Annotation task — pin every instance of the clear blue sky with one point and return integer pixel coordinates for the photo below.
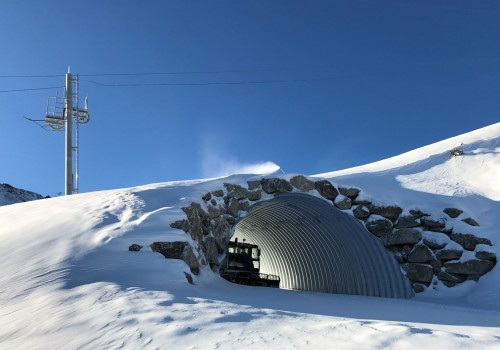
(379, 78)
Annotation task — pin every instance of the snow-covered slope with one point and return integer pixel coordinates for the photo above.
(12, 195)
(68, 280)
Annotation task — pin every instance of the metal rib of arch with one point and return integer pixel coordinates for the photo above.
(314, 246)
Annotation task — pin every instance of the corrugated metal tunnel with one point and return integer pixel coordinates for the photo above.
(314, 246)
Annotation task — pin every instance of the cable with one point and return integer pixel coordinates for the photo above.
(225, 83)
(32, 89)
(180, 73)
(33, 76)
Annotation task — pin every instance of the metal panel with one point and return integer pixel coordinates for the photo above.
(314, 246)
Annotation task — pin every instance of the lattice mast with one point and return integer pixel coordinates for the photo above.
(61, 113)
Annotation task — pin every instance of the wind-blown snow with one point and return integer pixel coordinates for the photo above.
(68, 280)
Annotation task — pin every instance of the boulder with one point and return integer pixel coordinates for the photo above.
(326, 189)
(181, 225)
(254, 195)
(402, 236)
(436, 265)
(453, 212)
(235, 191)
(218, 193)
(233, 207)
(379, 227)
(486, 255)
(189, 277)
(302, 183)
(431, 224)
(469, 267)
(468, 241)
(390, 212)
(420, 254)
(135, 247)
(178, 250)
(221, 228)
(209, 248)
(445, 276)
(207, 197)
(244, 205)
(407, 221)
(343, 203)
(434, 244)
(350, 192)
(213, 212)
(361, 212)
(419, 287)
(449, 254)
(253, 184)
(418, 213)
(276, 185)
(418, 272)
(470, 221)
(199, 221)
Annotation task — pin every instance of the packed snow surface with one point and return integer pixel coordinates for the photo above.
(68, 280)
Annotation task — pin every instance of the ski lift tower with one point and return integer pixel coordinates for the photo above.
(61, 113)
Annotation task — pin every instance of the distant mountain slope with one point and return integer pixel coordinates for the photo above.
(11, 195)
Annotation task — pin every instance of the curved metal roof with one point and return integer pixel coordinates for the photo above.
(314, 246)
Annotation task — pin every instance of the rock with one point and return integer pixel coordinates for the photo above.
(453, 212)
(436, 265)
(431, 224)
(344, 203)
(486, 255)
(361, 212)
(178, 250)
(469, 267)
(359, 201)
(209, 248)
(405, 251)
(445, 276)
(433, 244)
(276, 185)
(418, 272)
(189, 277)
(302, 183)
(254, 195)
(207, 197)
(350, 192)
(407, 221)
(468, 241)
(402, 236)
(135, 247)
(218, 193)
(233, 207)
(326, 189)
(471, 221)
(418, 213)
(221, 228)
(420, 254)
(181, 225)
(391, 212)
(244, 205)
(449, 254)
(399, 257)
(379, 227)
(254, 184)
(235, 191)
(213, 202)
(213, 212)
(199, 221)
(418, 287)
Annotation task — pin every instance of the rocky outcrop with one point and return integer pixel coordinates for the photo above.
(178, 250)
(426, 247)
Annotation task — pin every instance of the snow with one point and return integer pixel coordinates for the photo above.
(68, 280)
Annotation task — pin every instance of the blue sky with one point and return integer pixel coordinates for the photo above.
(341, 83)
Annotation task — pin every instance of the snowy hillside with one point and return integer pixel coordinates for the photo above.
(68, 280)
(12, 195)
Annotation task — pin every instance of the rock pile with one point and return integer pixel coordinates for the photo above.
(426, 247)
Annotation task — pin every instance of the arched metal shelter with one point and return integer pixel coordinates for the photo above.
(314, 246)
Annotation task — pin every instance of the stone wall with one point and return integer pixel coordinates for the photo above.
(426, 247)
